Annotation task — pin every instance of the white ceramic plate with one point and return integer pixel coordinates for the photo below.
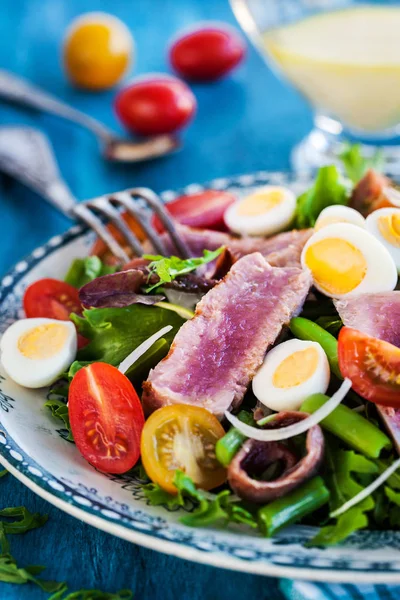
(32, 448)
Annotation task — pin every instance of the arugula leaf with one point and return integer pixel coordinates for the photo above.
(10, 572)
(356, 165)
(3, 473)
(91, 595)
(222, 508)
(349, 522)
(115, 332)
(170, 268)
(59, 410)
(341, 468)
(83, 270)
(332, 324)
(328, 188)
(24, 520)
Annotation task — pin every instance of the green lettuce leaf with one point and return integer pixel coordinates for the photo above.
(115, 332)
(3, 473)
(356, 165)
(211, 509)
(83, 270)
(328, 188)
(342, 467)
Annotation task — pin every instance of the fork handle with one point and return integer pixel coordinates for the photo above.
(16, 90)
(26, 155)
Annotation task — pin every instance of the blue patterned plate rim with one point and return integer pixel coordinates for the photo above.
(216, 548)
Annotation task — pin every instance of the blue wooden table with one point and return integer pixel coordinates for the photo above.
(246, 123)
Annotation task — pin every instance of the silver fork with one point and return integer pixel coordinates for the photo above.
(27, 156)
(19, 91)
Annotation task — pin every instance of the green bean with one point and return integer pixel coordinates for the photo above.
(304, 329)
(231, 442)
(294, 506)
(349, 426)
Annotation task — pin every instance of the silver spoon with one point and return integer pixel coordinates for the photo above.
(16, 90)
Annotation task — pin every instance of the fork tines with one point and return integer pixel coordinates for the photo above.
(107, 207)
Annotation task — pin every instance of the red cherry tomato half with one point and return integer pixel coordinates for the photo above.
(51, 299)
(372, 365)
(155, 106)
(106, 418)
(207, 53)
(204, 210)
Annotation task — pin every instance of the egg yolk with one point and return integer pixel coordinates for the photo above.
(43, 341)
(296, 368)
(260, 203)
(389, 227)
(97, 54)
(337, 266)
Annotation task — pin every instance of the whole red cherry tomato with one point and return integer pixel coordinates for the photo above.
(53, 299)
(207, 53)
(203, 210)
(155, 105)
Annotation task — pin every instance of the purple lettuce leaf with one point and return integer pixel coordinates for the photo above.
(117, 291)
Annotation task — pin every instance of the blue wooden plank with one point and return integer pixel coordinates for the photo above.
(245, 123)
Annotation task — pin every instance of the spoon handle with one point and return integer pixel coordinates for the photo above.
(16, 90)
(26, 155)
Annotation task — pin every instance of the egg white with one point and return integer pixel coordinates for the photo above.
(290, 398)
(35, 373)
(372, 227)
(272, 221)
(339, 214)
(381, 275)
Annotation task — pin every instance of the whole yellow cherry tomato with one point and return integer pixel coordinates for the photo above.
(97, 51)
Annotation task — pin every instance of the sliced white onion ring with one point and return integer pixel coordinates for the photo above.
(367, 491)
(142, 349)
(284, 433)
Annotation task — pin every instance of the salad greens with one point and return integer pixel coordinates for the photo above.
(356, 164)
(342, 467)
(19, 520)
(328, 188)
(211, 509)
(172, 267)
(23, 521)
(83, 270)
(59, 410)
(115, 332)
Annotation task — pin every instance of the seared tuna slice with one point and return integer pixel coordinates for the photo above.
(377, 315)
(281, 250)
(215, 355)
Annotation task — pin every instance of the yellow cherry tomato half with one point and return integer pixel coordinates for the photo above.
(181, 436)
(98, 49)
